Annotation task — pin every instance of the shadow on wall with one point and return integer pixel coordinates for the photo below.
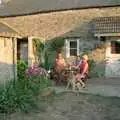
(88, 44)
(6, 72)
(83, 31)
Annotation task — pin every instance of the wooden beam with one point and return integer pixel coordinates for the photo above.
(106, 34)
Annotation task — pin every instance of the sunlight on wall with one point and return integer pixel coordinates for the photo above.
(6, 58)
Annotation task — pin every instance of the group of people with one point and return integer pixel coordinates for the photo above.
(80, 64)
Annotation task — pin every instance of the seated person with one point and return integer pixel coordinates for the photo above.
(59, 62)
(83, 69)
(58, 75)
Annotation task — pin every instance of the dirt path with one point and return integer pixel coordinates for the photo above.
(73, 106)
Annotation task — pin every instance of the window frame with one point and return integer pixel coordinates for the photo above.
(67, 45)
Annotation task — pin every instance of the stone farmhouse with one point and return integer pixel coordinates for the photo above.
(83, 24)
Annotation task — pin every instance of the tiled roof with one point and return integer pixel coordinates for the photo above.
(23, 7)
(104, 25)
(7, 31)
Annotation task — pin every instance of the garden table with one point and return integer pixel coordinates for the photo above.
(70, 72)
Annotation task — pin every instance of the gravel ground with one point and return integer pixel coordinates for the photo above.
(73, 106)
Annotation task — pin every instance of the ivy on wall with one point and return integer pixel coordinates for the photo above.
(45, 52)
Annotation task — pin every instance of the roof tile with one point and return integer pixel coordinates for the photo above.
(107, 25)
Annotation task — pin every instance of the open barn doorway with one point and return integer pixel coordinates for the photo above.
(22, 49)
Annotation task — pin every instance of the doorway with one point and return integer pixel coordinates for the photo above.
(113, 58)
(22, 49)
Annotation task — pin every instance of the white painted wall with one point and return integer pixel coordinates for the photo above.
(6, 58)
(112, 60)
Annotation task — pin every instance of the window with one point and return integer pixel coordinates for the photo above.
(115, 47)
(102, 38)
(72, 47)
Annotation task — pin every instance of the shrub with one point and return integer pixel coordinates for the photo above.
(92, 71)
(37, 83)
(45, 52)
(15, 96)
(21, 67)
(92, 64)
(22, 94)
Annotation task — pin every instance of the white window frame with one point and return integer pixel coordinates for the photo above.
(67, 46)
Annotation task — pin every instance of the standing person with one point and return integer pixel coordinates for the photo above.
(83, 70)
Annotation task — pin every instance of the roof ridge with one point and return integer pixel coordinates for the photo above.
(34, 8)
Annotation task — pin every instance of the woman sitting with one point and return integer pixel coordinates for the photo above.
(59, 62)
(57, 73)
(83, 70)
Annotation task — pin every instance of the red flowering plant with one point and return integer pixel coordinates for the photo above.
(37, 77)
(36, 70)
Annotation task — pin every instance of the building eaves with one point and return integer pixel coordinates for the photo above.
(8, 31)
(27, 7)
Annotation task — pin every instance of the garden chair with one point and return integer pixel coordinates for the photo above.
(75, 84)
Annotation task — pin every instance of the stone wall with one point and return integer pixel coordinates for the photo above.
(6, 59)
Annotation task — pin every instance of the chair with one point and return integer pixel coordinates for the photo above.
(76, 83)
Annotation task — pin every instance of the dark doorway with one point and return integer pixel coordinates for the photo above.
(22, 49)
(115, 47)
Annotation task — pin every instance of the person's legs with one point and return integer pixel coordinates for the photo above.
(78, 78)
(55, 75)
(84, 78)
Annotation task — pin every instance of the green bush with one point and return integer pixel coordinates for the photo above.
(36, 84)
(57, 45)
(22, 94)
(21, 67)
(92, 64)
(45, 52)
(41, 53)
(92, 71)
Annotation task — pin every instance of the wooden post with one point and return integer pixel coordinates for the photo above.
(31, 57)
(14, 47)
